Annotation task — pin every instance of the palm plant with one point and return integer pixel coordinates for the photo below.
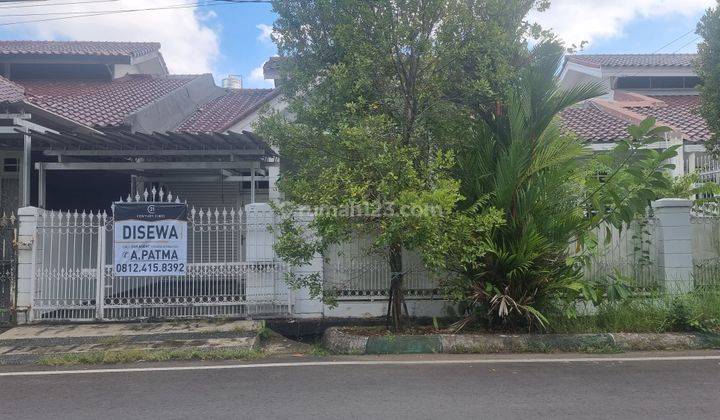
(527, 167)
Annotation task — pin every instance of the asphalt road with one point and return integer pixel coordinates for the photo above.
(666, 389)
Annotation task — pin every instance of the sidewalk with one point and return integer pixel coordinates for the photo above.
(48, 343)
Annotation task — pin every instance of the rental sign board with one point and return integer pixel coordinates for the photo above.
(150, 239)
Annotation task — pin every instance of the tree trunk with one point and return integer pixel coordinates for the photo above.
(396, 301)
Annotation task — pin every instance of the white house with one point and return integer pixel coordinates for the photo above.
(640, 86)
(73, 89)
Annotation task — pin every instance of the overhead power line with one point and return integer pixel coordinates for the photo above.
(114, 12)
(674, 40)
(46, 4)
(110, 11)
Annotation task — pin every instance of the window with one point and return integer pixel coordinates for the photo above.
(667, 82)
(657, 82)
(692, 82)
(633, 83)
(10, 165)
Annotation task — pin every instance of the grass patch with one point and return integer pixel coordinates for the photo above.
(112, 341)
(540, 347)
(132, 356)
(319, 350)
(698, 311)
(264, 332)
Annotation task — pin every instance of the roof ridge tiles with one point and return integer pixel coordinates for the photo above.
(87, 48)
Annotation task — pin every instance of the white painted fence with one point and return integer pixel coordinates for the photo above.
(631, 252)
(65, 272)
(232, 270)
(355, 272)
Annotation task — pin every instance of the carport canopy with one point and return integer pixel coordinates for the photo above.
(227, 153)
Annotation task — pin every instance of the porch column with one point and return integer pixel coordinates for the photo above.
(690, 164)
(252, 186)
(42, 189)
(26, 169)
(675, 256)
(674, 138)
(273, 176)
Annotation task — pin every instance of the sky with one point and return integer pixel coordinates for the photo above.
(213, 36)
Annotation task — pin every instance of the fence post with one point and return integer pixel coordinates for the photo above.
(305, 306)
(259, 248)
(26, 243)
(262, 283)
(675, 244)
(100, 274)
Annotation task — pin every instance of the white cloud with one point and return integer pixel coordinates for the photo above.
(265, 33)
(188, 44)
(257, 79)
(590, 20)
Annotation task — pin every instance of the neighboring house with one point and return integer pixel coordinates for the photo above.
(79, 111)
(640, 86)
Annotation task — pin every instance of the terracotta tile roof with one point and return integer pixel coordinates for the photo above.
(681, 112)
(91, 48)
(100, 103)
(592, 124)
(634, 60)
(221, 113)
(10, 91)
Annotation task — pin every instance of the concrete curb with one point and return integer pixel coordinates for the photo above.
(340, 341)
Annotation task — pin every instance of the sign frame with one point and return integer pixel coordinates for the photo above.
(150, 239)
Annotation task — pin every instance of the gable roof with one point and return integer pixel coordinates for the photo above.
(10, 92)
(221, 113)
(633, 60)
(103, 103)
(78, 48)
(680, 112)
(593, 122)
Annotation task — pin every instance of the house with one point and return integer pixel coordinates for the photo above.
(84, 123)
(640, 86)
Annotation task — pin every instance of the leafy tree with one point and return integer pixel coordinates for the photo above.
(551, 191)
(708, 68)
(374, 87)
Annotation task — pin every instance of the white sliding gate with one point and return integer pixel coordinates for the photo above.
(232, 270)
